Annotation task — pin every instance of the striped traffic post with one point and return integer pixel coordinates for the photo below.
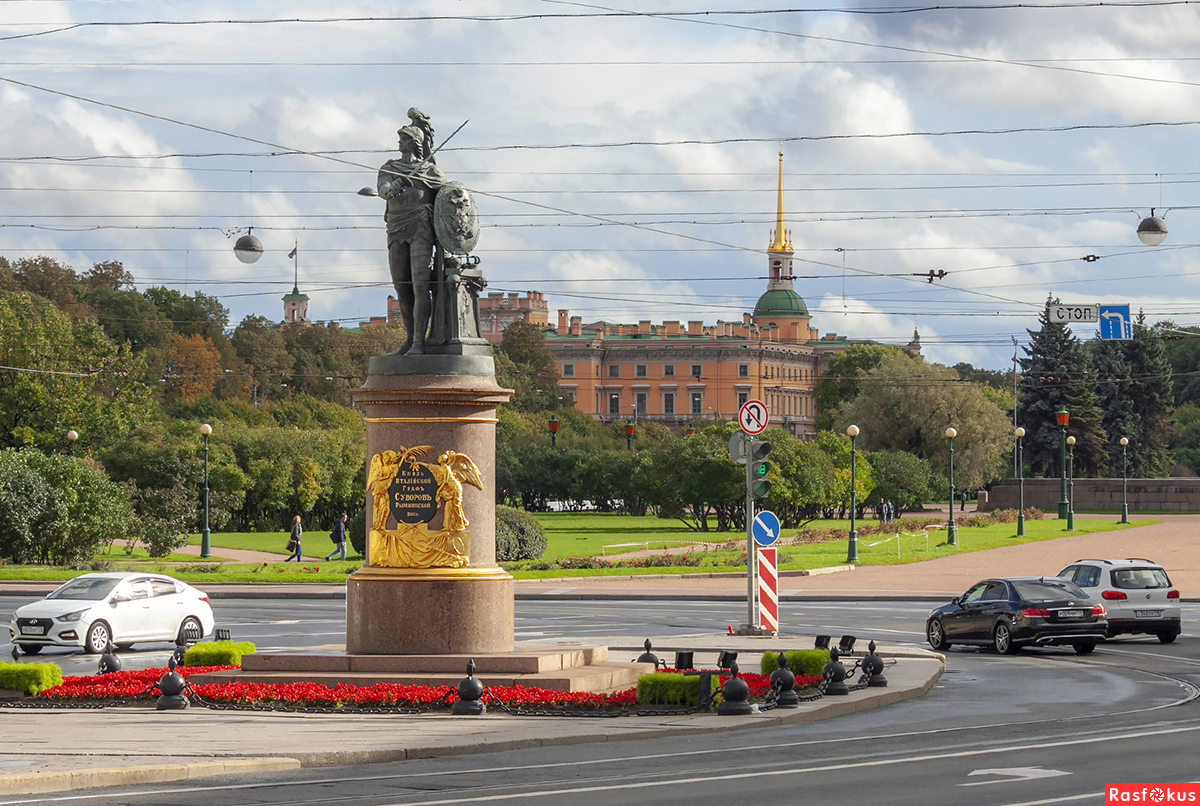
(768, 590)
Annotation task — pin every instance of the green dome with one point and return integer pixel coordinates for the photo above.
(780, 302)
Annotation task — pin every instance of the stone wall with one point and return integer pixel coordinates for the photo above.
(1144, 494)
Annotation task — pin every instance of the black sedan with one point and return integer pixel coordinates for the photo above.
(1019, 611)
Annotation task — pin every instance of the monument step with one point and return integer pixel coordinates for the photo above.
(529, 660)
(593, 678)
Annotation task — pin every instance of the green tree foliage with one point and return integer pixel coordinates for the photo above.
(1186, 445)
(1182, 348)
(837, 496)
(264, 351)
(802, 478)
(906, 405)
(693, 478)
(57, 510)
(900, 478)
(840, 382)
(1057, 371)
(65, 376)
(1135, 395)
(524, 364)
(195, 315)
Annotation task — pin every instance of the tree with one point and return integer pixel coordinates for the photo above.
(532, 372)
(906, 405)
(694, 478)
(1057, 371)
(900, 478)
(840, 382)
(197, 315)
(128, 317)
(194, 368)
(1182, 347)
(263, 349)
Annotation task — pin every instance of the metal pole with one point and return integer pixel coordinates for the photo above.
(205, 544)
(751, 568)
(852, 550)
(1124, 483)
(1020, 490)
(1063, 506)
(951, 533)
(1071, 489)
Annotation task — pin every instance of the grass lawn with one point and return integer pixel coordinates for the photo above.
(273, 542)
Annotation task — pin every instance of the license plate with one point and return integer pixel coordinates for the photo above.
(1149, 613)
(1070, 614)
(33, 631)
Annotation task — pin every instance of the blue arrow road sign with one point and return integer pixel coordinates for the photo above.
(1115, 322)
(765, 528)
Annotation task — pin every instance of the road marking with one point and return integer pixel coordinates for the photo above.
(1065, 799)
(760, 774)
(1013, 774)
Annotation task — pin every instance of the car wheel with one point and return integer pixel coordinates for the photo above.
(189, 623)
(935, 633)
(1002, 639)
(30, 649)
(98, 638)
(1166, 637)
(1084, 647)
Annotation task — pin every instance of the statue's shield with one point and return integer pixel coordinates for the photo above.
(455, 219)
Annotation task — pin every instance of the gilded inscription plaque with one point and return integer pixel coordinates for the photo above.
(411, 493)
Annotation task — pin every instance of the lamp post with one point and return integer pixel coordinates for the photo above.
(205, 545)
(1124, 483)
(1061, 418)
(72, 435)
(1071, 484)
(629, 427)
(951, 533)
(553, 424)
(1019, 433)
(852, 550)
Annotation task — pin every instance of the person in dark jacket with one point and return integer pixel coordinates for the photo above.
(294, 540)
(338, 536)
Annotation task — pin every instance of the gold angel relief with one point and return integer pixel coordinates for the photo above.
(415, 545)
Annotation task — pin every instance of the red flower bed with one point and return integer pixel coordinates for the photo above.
(135, 683)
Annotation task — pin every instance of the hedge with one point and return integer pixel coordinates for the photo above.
(804, 661)
(217, 653)
(518, 535)
(30, 677)
(667, 688)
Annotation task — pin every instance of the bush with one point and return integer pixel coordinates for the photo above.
(217, 653)
(356, 532)
(30, 677)
(670, 688)
(1033, 514)
(1005, 515)
(805, 661)
(518, 535)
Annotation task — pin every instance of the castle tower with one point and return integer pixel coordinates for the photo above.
(781, 305)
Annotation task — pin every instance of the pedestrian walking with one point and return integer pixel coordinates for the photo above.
(294, 541)
(338, 536)
(963, 508)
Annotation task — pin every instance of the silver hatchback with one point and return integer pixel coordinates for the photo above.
(1137, 594)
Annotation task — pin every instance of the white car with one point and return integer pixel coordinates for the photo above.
(127, 608)
(1137, 594)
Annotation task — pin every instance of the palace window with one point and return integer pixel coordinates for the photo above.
(614, 370)
(640, 371)
(697, 370)
(743, 370)
(742, 398)
(640, 402)
(568, 371)
(614, 404)
(697, 402)
(668, 402)
(668, 370)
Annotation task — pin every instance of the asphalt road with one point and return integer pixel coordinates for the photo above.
(1041, 727)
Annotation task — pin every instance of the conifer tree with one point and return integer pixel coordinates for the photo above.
(1057, 371)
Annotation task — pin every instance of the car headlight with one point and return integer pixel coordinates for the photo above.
(76, 616)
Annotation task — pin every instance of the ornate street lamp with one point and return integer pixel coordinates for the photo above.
(1061, 418)
(951, 534)
(72, 435)
(1019, 433)
(852, 550)
(553, 424)
(629, 428)
(1071, 484)
(205, 545)
(1124, 483)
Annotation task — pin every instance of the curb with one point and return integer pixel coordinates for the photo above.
(38, 782)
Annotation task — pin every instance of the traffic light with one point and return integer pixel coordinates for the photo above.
(756, 477)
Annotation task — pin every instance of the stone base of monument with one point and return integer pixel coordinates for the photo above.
(585, 669)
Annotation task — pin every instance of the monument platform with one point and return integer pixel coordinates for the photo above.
(571, 669)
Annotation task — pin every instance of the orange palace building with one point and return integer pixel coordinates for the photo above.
(680, 373)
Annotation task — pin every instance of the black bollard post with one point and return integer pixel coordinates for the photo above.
(872, 667)
(835, 675)
(109, 662)
(470, 691)
(172, 686)
(648, 656)
(783, 680)
(735, 695)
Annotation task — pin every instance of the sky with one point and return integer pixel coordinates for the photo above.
(624, 158)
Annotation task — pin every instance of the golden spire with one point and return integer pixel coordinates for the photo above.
(782, 241)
